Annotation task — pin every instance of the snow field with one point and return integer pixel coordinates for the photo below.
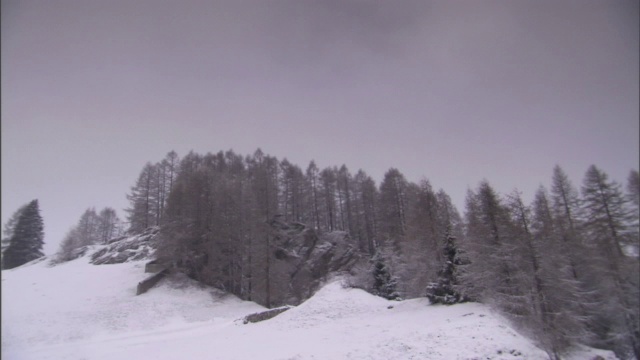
(81, 311)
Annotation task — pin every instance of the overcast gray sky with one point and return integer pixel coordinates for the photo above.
(455, 91)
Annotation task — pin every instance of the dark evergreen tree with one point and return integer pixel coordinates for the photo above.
(9, 228)
(28, 237)
(443, 291)
(384, 284)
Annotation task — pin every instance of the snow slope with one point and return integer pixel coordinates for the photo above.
(81, 311)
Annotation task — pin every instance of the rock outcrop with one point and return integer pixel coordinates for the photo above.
(308, 259)
(265, 315)
(124, 249)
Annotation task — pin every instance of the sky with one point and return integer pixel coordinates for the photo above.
(452, 91)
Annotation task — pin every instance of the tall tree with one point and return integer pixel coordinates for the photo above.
(633, 188)
(393, 207)
(9, 228)
(421, 251)
(328, 195)
(493, 274)
(28, 238)
(366, 195)
(141, 212)
(108, 225)
(606, 220)
(559, 317)
(311, 177)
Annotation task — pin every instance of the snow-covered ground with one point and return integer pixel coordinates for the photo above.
(81, 311)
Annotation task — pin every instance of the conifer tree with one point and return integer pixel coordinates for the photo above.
(444, 290)
(9, 228)
(27, 239)
(606, 221)
(384, 283)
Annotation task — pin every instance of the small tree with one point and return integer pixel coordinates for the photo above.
(26, 241)
(384, 283)
(443, 291)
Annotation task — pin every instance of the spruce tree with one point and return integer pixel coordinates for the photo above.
(26, 242)
(384, 283)
(443, 291)
(9, 228)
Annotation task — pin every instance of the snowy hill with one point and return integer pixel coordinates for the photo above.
(77, 310)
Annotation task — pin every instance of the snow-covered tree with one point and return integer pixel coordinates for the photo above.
(444, 290)
(606, 220)
(384, 283)
(92, 229)
(27, 239)
(9, 228)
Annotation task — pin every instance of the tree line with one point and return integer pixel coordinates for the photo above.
(564, 267)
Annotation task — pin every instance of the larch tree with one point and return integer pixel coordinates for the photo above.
(392, 212)
(493, 273)
(140, 213)
(557, 321)
(109, 225)
(344, 187)
(565, 204)
(633, 187)
(366, 198)
(27, 239)
(328, 199)
(311, 177)
(606, 218)
(92, 229)
(421, 251)
(633, 194)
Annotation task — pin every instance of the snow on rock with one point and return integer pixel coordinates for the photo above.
(137, 247)
(79, 311)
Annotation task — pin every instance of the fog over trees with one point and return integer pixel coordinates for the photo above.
(564, 267)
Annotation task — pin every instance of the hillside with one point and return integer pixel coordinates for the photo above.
(77, 310)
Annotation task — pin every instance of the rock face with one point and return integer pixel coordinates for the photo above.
(305, 259)
(120, 250)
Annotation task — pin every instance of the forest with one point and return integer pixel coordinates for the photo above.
(563, 268)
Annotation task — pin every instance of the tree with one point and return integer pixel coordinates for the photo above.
(633, 194)
(384, 284)
(327, 194)
(633, 188)
(9, 228)
(559, 298)
(494, 274)
(28, 238)
(311, 178)
(141, 214)
(366, 197)
(345, 193)
(444, 290)
(108, 225)
(393, 208)
(92, 229)
(606, 221)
